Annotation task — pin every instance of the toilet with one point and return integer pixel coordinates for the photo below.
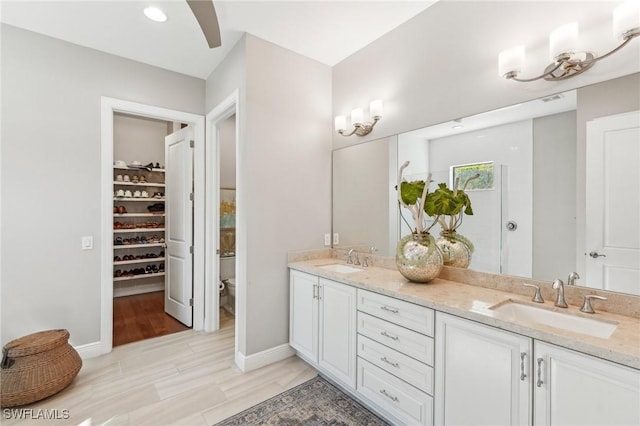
(227, 278)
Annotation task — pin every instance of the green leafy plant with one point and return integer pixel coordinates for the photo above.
(448, 207)
(412, 196)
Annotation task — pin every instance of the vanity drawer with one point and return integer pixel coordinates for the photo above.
(401, 400)
(408, 342)
(406, 368)
(403, 313)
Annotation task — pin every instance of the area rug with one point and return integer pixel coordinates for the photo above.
(313, 403)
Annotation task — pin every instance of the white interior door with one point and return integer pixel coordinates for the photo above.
(613, 203)
(178, 295)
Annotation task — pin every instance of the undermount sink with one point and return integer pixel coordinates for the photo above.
(513, 310)
(340, 268)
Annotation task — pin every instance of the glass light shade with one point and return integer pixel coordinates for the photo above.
(357, 116)
(511, 60)
(155, 14)
(375, 108)
(626, 17)
(340, 123)
(563, 40)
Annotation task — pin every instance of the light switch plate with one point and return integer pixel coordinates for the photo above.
(327, 239)
(336, 239)
(87, 242)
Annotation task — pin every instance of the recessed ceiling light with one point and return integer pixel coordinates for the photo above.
(155, 14)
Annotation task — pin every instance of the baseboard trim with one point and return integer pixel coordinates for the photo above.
(266, 357)
(137, 289)
(89, 350)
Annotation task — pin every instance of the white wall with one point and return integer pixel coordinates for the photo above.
(508, 145)
(442, 64)
(51, 174)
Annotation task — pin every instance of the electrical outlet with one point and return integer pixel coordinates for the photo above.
(327, 239)
(336, 239)
(87, 242)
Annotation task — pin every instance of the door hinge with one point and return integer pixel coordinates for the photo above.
(190, 302)
(217, 251)
(191, 196)
(192, 144)
(191, 249)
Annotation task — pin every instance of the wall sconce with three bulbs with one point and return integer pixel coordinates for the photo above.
(567, 60)
(360, 127)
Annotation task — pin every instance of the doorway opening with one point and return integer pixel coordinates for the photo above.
(140, 217)
(151, 250)
(225, 268)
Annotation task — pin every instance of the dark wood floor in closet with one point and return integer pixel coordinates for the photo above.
(142, 317)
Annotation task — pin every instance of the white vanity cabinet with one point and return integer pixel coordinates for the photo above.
(502, 378)
(395, 358)
(483, 374)
(322, 325)
(572, 388)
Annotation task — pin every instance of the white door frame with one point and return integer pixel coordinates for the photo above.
(222, 111)
(109, 106)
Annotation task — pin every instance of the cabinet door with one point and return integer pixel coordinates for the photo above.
(338, 331)
(482, 374)
(303, 311)
(578, 389)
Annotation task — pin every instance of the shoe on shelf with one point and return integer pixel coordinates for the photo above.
(145, 194)
(120, 193)
(135, 179)
(122, 209)
(143, 179)
(119, 178)
(125, 178)
(157, 166)
(127, 194)
(137, 194)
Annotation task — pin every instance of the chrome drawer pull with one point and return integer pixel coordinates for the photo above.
(539, 382)
(391, 363)
(385, 334)
(523, 375)
(391, 397)
(388, 309)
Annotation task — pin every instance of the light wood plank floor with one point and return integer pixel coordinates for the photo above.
(186, 378)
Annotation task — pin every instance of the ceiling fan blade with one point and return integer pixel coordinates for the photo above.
(205, 14)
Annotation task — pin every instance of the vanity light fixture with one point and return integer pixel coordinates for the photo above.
(567, 59)
(360, 127)
(155, 14)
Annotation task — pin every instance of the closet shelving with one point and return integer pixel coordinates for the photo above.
(143, 223)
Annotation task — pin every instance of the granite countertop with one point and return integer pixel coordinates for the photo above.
(473, 302)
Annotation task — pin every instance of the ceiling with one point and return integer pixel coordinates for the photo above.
(327, 31)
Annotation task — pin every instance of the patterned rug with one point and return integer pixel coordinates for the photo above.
(313, 403)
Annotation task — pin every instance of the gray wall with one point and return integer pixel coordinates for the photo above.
(613, 97)
(51, 174)
(284, 183)
(554, 195)
(288, 178)
(442, 64)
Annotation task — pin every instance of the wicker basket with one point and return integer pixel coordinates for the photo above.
(37, 366)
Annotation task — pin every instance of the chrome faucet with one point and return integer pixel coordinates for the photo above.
(559, 285)
(350, 259)
(572, 278)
